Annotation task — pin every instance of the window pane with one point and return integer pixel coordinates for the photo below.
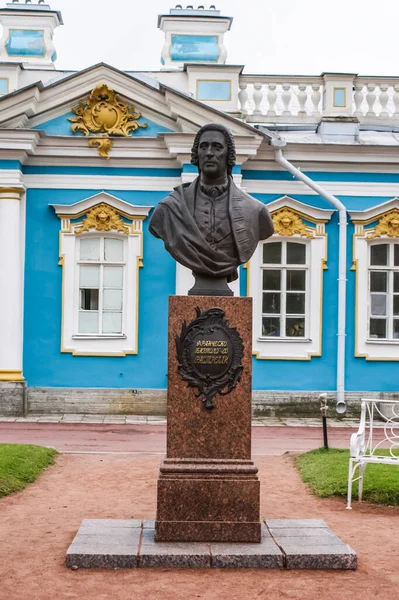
(89, 276)
(396, 329)
(377, 328)
(396, 282)
(378, 281)
(113, 277)
(112, 322)
(90, 249)
(113, 250)
(272, 280)
(271, 303)
(295, 304)
(296, 253)
(112, 299)
(295, 327)
(378, 304)
(271, 326)
(379, 254)
(296, 280)
(89, 299)
(396, 305)
(272, 252)
(396, 255)
(88, 322)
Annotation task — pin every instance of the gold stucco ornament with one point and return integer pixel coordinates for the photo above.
(104, 114)
(287, 222)
(387, 225)
(103, 218)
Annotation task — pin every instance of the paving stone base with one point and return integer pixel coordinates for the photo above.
(286, 544)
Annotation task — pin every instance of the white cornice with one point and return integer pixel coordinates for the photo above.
(72, 210)
(337, 188)
(95, 182)
(374, 211)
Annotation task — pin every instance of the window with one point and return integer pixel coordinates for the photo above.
(285, 280)
(284, 285)
(376, 262)
(383, 291)
(101, 277)
(101, 249)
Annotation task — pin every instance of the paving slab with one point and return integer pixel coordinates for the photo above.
(310, 544)
(169, 555)
(266, 555)
(105, 544)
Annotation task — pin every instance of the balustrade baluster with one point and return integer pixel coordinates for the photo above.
(358, 98)
(271, 98)
(257, 96)
(371, 98)
(286, 99)
(243, 97)
(315, 97)
(383, 98)
(302, 97)
(396, 101)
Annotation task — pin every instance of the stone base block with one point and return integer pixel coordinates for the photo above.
(121, 544)
(11, 398)
(205, 500)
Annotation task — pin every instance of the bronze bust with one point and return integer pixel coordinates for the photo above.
(210, 226)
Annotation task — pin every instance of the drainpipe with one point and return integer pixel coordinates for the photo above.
(281, 160)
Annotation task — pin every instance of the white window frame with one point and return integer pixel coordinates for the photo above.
(100, 344)
(366, 223)
(293, 348)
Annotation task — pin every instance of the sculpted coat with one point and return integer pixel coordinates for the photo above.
(174, 222)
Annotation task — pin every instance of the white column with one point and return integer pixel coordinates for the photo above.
(11, 288)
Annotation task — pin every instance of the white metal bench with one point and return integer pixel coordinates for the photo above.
(379, 428)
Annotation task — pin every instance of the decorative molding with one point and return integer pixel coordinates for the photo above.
(103, 218)
(287, 223)
(11, 376)
(374, 213)
(105, 114)
(78, 209)
(388, 225)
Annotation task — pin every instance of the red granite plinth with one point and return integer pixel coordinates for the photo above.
(208, 489)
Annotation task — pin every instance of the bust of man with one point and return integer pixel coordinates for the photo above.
(210, 226)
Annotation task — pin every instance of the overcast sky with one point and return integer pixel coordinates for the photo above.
(267, 36)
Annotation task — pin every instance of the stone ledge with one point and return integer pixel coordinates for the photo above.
(285, 544)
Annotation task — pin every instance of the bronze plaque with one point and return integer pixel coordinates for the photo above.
(210, 354)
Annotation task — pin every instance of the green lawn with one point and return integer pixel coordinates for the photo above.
(326, 473)
(21, 464)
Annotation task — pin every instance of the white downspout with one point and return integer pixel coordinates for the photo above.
(281, 160)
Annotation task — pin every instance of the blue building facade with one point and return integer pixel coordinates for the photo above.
(86, 156)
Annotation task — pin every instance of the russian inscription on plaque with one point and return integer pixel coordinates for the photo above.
(210, 354)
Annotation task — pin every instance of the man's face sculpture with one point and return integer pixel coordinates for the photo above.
(212, 155)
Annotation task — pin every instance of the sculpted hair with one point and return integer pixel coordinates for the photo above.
(231, 148)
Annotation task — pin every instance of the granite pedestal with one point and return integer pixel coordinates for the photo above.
(208, 489)
(129, 544)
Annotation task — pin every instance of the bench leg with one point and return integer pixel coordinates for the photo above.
(361, 474)
(350, 477)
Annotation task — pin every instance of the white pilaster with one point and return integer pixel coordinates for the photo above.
(11, 285)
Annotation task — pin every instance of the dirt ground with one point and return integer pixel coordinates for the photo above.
(37, 526)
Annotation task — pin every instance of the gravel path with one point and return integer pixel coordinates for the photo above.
(37, 526)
